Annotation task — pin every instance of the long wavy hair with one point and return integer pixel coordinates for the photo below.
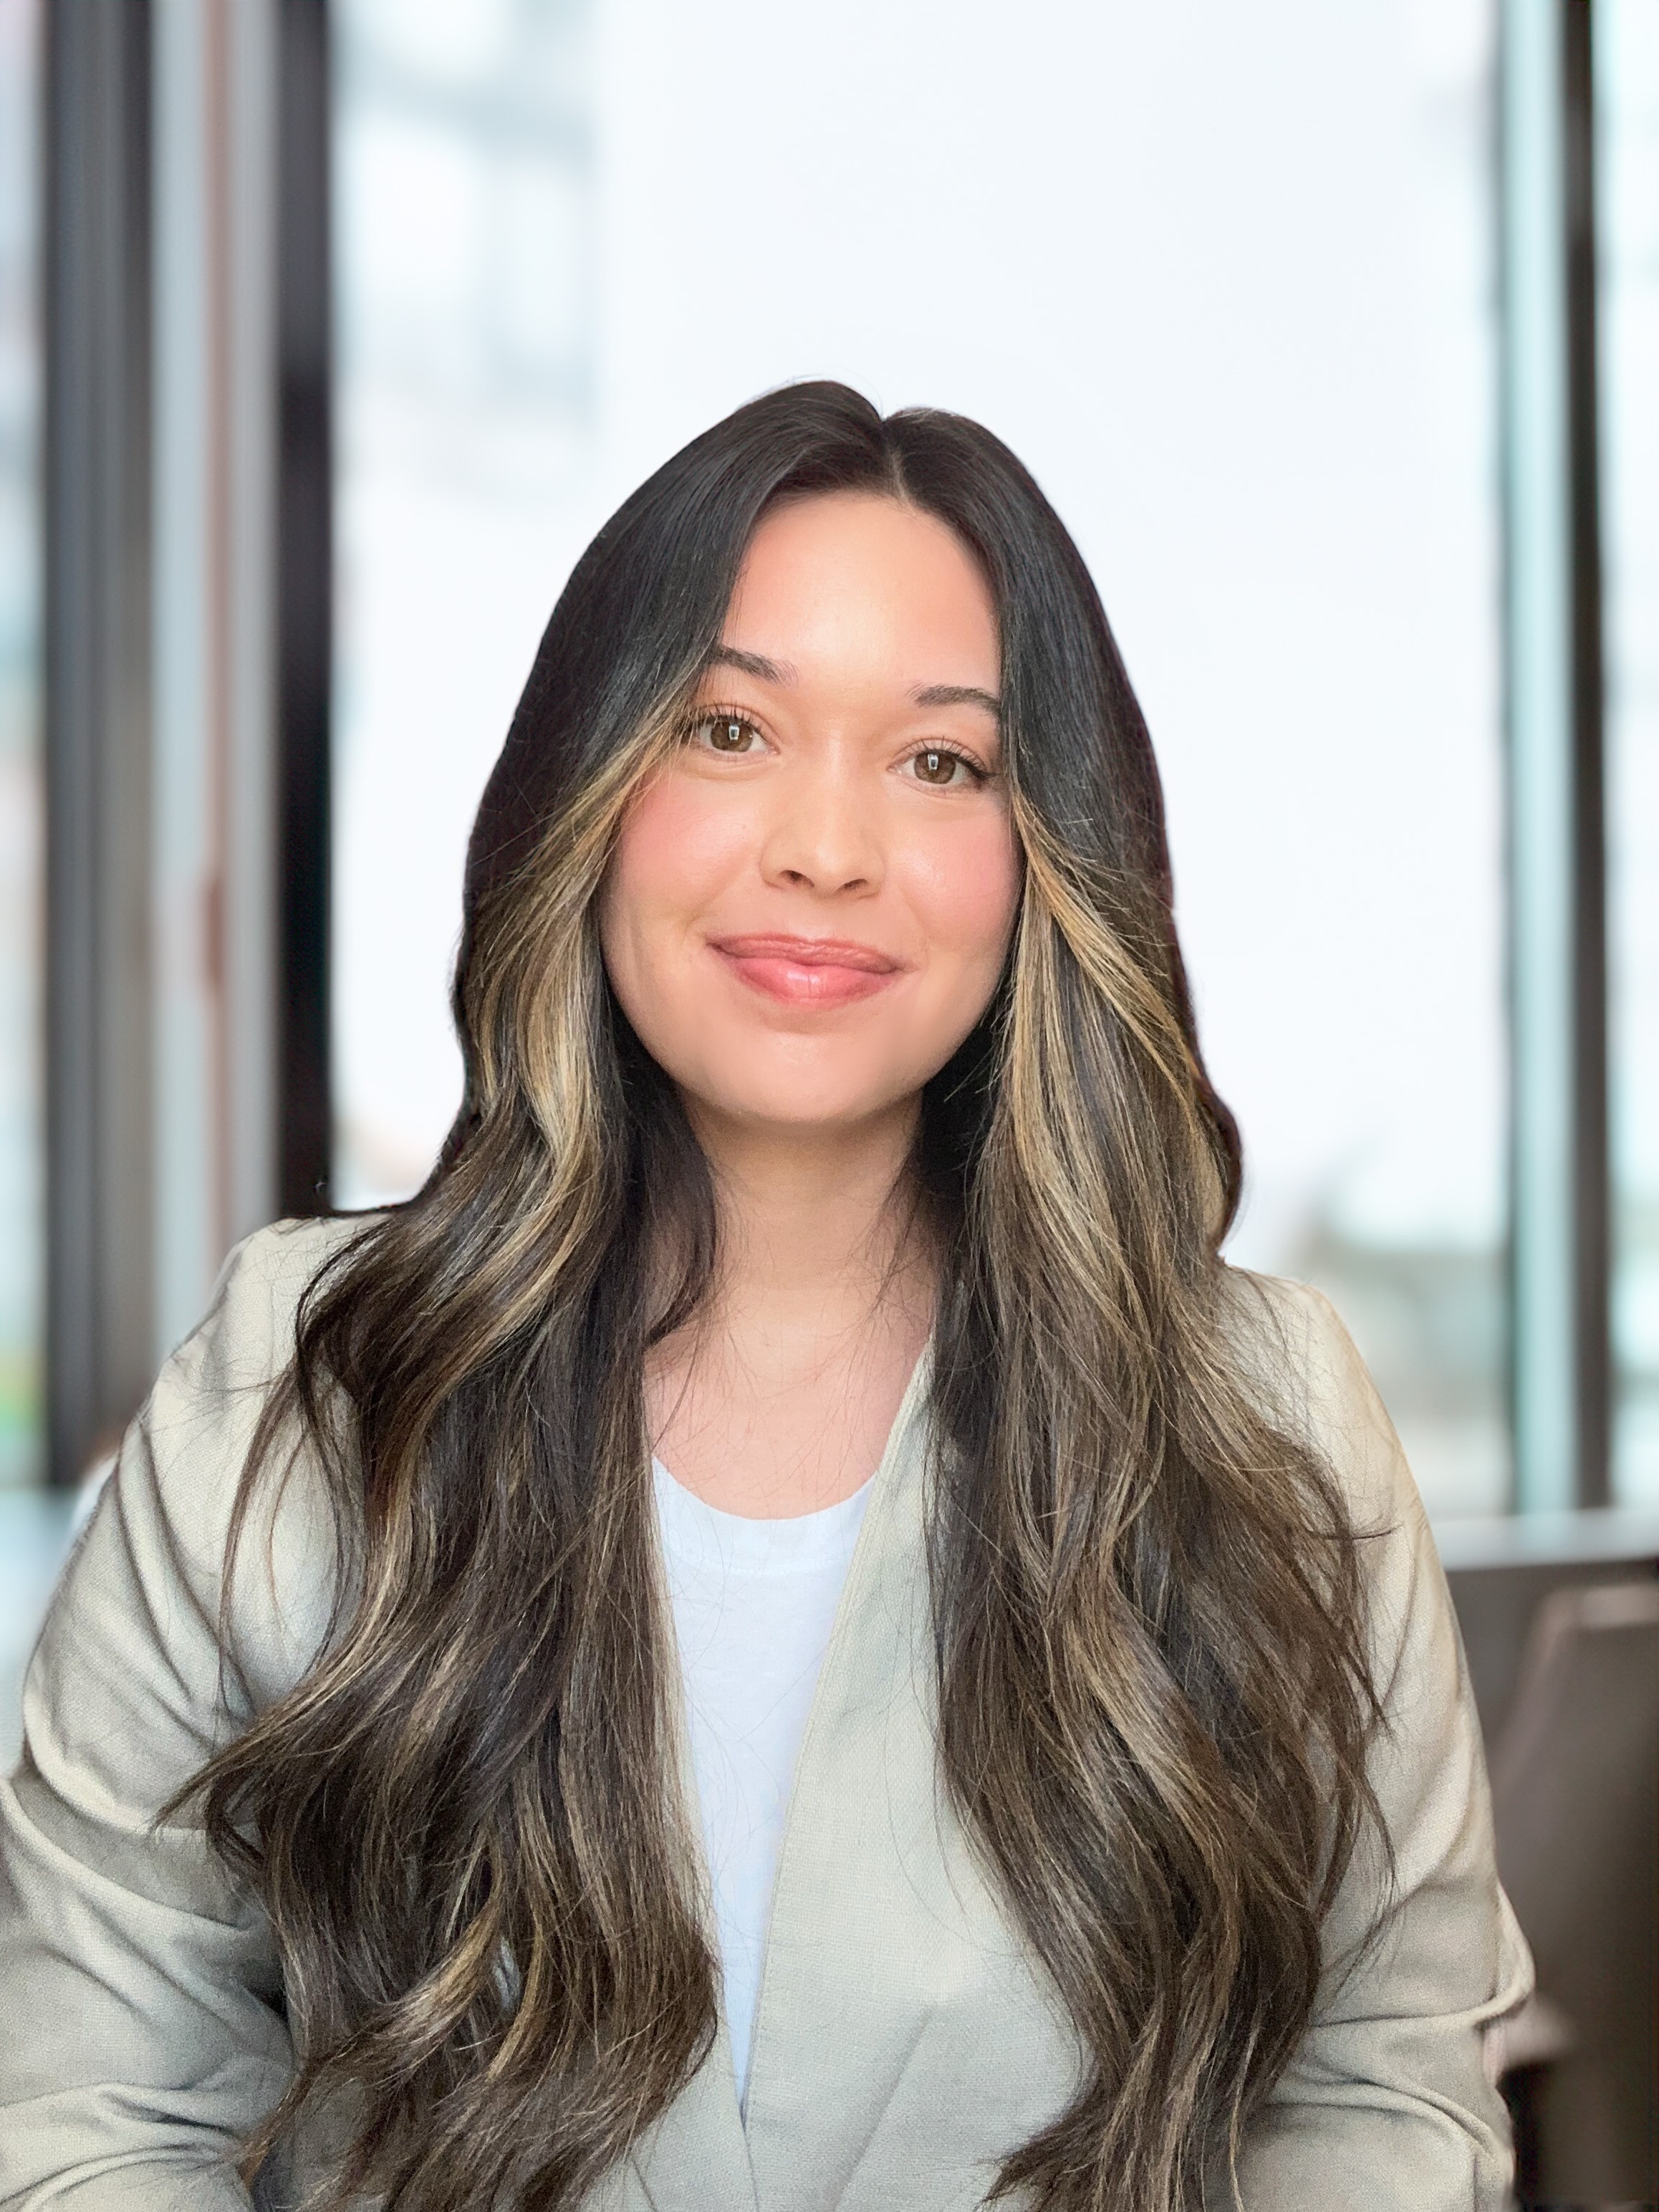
(1153, 1701)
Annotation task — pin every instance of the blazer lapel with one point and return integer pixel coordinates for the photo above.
(903, 2040)
(903, 2044)
(699, 2154)
(695, 2158)
(695, 2155)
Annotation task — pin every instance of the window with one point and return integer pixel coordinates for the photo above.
(464, 229)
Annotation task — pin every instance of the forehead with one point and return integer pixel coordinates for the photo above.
(856, 574)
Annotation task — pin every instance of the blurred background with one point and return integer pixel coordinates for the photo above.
(331, 329)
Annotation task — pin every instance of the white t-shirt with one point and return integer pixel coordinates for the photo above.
(754, 1603)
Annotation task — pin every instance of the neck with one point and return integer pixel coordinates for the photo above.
(778, 1397)
(816, 1226)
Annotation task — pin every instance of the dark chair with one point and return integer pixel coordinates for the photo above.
(1576, 1798)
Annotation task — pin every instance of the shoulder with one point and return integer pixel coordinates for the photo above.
(1312, 1383)
(1293, 1347)
(1420, 1946)
(147, 1656)
(172, 1502)
(246, 1335)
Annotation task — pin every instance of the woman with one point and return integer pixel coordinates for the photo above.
(488, 1578)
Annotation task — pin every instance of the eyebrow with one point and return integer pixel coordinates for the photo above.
(957, 694)
(752, 663)
(780, 672)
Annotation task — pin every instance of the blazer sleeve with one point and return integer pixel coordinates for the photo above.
(1391, 2104)
(142, 2034)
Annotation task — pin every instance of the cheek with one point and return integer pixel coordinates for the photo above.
(965, 889)
(677, 845)
(680, 837)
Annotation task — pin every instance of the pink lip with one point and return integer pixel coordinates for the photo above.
(808, 971)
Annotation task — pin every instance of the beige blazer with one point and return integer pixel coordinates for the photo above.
(904, 2039)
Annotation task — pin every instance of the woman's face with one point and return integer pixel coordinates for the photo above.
(809, 907)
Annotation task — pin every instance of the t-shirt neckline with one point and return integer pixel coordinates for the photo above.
(694, 1530)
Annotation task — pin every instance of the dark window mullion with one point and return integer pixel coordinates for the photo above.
(97, 513)
(1592, 1174)
(305, 601)
(1557, 934)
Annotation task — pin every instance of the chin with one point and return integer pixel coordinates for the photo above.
(803, 1110)
(802, 1100)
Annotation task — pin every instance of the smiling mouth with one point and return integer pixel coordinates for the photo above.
(808, 971)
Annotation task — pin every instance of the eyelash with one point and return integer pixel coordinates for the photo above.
(977, 774)
(705, 715)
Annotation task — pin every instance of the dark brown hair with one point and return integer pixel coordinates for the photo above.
(1153, 1691)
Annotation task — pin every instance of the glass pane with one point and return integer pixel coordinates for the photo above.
(1627, 122)
(1222, 276)
(464, 230)
(19, 756)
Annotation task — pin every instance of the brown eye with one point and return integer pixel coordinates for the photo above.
(936, 767)
(723, 734)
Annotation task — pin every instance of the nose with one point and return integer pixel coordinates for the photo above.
(825, 835)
